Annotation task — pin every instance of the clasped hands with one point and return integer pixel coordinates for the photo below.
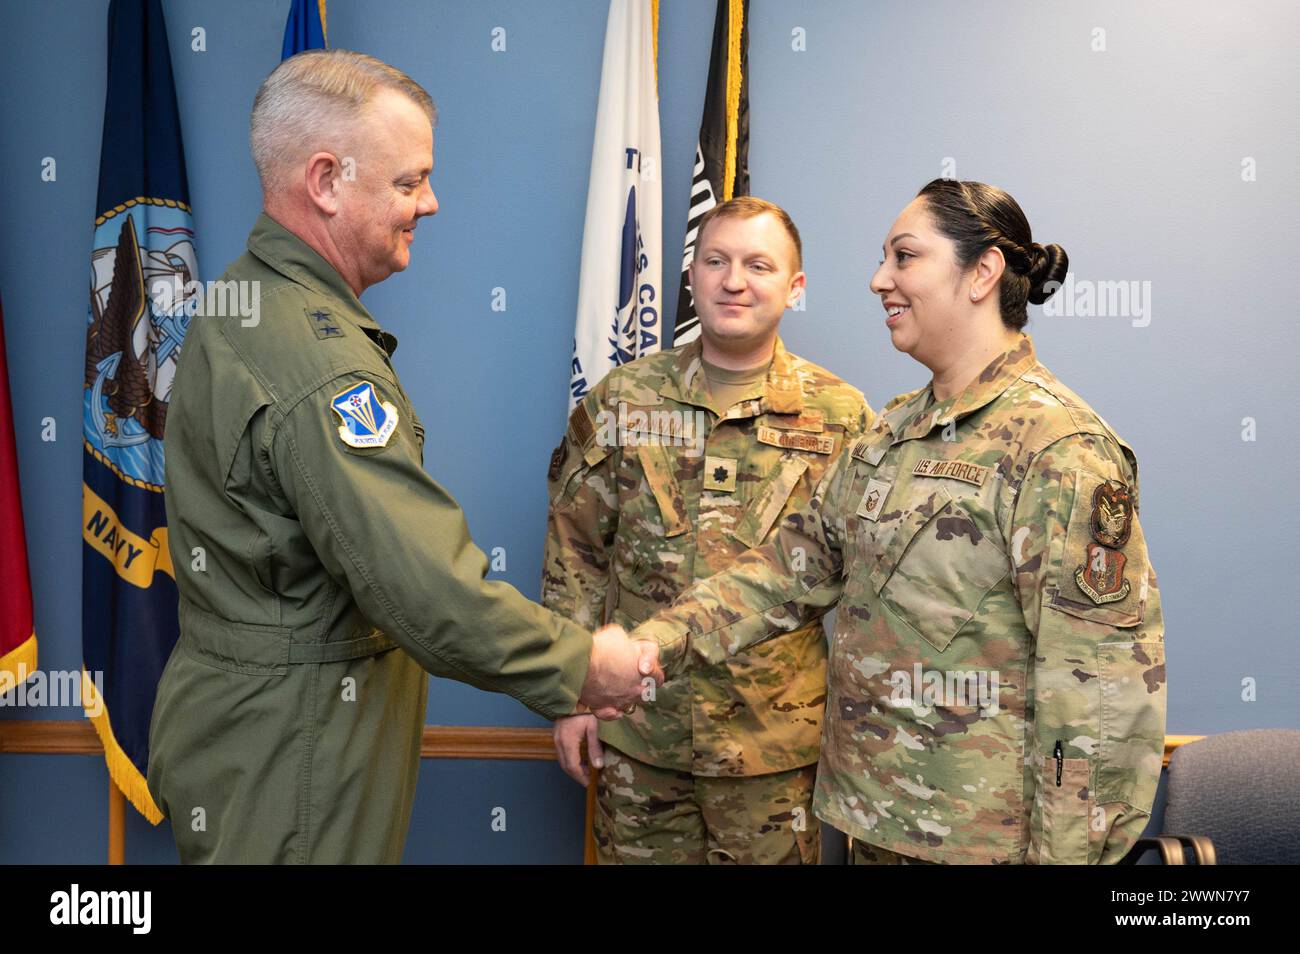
(622, 672)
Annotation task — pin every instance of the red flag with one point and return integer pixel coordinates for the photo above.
(17, 637)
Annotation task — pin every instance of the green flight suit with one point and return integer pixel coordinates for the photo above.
(321, 572)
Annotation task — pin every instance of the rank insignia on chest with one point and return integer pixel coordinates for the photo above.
(720, 474)
(366, 420)
(873, 499)
(1101, 575)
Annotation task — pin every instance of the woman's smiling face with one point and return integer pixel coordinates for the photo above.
(919, 284)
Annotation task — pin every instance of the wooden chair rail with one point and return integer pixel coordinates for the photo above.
(76, 737)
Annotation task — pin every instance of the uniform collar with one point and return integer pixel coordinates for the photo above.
(782, 388)
(912, 419)
(296, 260)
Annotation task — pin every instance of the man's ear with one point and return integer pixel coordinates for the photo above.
(797, 286)
(324, 176)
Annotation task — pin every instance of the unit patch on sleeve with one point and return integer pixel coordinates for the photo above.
(366, 420)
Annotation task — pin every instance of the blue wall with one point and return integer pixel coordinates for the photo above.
(1130, 158)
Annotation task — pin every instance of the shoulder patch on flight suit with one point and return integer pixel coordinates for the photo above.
(323, 323)
(367, 421)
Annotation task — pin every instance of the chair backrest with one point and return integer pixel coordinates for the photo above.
(1242, 790)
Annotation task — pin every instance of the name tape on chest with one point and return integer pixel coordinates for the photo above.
(367, 421)
(795, 440)
(956, 469)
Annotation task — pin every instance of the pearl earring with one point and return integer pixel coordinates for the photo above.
(972, 294)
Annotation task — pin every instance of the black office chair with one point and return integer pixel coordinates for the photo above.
(1233, 799)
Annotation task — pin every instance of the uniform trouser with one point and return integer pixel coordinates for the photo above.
(651, 815)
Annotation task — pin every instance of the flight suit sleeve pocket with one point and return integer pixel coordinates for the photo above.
(768, 500)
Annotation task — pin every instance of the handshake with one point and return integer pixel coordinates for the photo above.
(622, 672)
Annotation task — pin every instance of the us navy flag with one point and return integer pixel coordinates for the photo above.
(143, 289)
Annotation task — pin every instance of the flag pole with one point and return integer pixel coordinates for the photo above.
(116, 824)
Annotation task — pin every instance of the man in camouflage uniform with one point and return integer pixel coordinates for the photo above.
(672, 467)
(996, 679)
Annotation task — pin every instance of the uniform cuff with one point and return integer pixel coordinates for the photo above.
(674, 643)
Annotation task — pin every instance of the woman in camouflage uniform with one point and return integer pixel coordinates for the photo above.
(996, 686)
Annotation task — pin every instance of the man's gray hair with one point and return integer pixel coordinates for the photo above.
(312, 97)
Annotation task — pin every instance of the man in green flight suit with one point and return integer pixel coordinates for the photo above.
(322, 571)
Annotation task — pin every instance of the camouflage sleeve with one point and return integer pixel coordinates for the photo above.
(770, 589)
(582, 518)
(1098, 674)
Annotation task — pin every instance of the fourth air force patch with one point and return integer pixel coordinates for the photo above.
(367, 421)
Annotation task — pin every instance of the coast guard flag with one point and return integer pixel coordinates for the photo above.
(17, 635)
(305, 28)
(620, 288)
(143, 281)
(722, 152)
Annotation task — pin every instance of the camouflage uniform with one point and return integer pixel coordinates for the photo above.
(651, 491)
(991, 536)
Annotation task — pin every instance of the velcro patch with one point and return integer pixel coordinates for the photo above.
(720, 474)
(956, 469)
(581, 428)
(873, 499)
(794, 440)
(557, 461)
(367, 421)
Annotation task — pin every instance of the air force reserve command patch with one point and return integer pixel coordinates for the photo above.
(367, 421)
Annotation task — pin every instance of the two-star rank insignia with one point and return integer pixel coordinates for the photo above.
(1101, 575)
(323, 323)
(720, 474)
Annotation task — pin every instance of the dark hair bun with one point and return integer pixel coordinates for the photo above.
(1047, 267)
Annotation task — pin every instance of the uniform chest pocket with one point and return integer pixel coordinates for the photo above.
(768, 500)
(932, 562)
